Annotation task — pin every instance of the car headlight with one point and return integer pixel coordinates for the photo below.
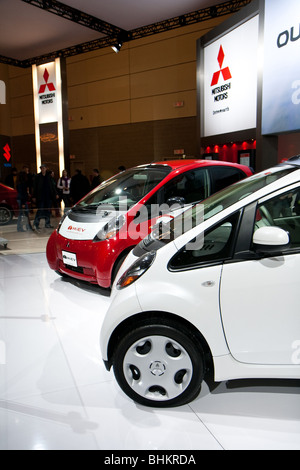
(136, 270)
(62, 220)
(110, 229)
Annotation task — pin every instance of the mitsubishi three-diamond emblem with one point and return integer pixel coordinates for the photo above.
(225, 71)
(50, 86)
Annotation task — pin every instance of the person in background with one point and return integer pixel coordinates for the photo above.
(11, 180)
(23, 198)
(63, 186)
(55, 200)
(79, 187)
(44, 193)
(30, 178)
(96, 180)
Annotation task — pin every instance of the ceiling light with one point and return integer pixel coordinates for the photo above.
(117, 47)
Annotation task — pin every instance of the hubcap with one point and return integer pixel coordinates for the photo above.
(157, 368)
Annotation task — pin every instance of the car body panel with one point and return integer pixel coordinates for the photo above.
(8, 198)
(247, 310)
(199, 305)
(254, 329)
(228, 368)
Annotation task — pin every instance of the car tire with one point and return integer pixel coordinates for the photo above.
(159, 365)
(5, 215)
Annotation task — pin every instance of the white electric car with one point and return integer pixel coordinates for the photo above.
(216, 289)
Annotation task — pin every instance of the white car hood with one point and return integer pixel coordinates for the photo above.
(86, 226)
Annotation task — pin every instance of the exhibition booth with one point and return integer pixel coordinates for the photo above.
(55, 392)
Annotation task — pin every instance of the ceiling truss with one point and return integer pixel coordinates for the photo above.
(113, 34)
(77, 16)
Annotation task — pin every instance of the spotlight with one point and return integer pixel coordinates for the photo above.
(182, 20)
(117, 47)
(47, 4)
(213, 11)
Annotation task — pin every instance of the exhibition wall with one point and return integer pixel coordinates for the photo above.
(126, 108)
(249, 84)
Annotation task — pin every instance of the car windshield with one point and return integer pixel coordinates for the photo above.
(125, 189)
(198, 213)
(224, 199)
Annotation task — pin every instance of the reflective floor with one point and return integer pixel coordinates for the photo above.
(56, 394)
(29, 241)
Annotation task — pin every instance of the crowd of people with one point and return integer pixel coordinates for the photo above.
(44, 193)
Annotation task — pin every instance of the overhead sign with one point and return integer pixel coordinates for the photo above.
(281, 76)
(230, 81)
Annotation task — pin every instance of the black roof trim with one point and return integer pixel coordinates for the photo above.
(294, 161)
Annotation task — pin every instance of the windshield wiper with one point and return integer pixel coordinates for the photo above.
(89, 208)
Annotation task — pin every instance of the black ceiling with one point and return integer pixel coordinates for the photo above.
(36, 31)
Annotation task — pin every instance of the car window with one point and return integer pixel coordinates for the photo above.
(223, 176)
(149, 210)
(215, 246)
(192, 186)
(131, 185)
(282, 211)
(212, 206)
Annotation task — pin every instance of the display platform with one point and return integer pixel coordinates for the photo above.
(56, 394)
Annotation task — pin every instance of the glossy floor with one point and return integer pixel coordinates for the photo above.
(29, 241)
(56, 394)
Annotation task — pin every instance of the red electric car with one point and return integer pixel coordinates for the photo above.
(95, 236)
(8, 204)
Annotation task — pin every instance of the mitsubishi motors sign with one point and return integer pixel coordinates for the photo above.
(281, 76)
(230, 81)
(47, 93)
(48, 111)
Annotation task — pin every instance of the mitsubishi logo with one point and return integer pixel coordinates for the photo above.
(7, 154)
(225, 72)
(157, 368)
(50, 86)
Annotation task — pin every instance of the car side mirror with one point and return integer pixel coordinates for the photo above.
(176, 200)
(270, 240)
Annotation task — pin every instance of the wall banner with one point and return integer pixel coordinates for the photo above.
(47, 93)
(230, 81)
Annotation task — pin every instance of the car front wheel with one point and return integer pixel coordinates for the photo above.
(159, 365)
(5, 215)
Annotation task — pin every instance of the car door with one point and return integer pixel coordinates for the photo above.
(259, 298)
(223, 176)
(172, 199)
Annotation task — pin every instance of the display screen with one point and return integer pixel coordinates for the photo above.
(281, 76)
